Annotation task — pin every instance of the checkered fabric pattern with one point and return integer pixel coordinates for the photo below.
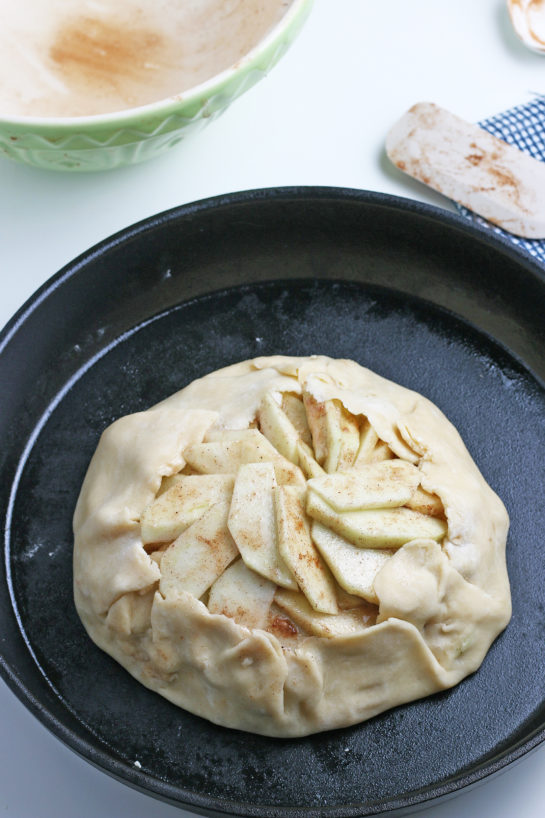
(524, 127)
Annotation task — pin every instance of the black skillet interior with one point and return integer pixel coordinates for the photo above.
(407, 290)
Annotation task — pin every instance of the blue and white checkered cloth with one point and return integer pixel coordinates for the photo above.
(524, 127)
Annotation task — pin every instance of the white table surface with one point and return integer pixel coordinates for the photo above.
(319, 118)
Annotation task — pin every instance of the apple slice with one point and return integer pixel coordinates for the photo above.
(130, 614)
(354, 568)
(294, 408)
(233, 448)
(158, 553)
(278, 428)
(184, 502)
(376, 528)
(215, 435)
(345, 623)
(426, 503)
(299, 553)
(168, 482)
(347, 602)
(281, 626)
(342, 437)
(217, 456)
(259, 449)
(243, 595)
(381, 452)
(200, 555)
(252, 523)
(373, 485)
(315, 411)
(368, 441)
(307, 463)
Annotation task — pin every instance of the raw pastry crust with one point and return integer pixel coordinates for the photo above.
(440, 605)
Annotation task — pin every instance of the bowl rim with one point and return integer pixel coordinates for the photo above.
(171, 104)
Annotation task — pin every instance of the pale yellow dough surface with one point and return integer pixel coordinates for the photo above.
(440, 605)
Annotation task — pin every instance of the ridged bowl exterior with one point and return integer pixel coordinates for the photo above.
(98, 143)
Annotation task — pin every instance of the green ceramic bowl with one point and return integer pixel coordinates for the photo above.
(111, 140)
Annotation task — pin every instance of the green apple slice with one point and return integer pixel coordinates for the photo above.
(345, 623)
(342, 437)
(278, 428)
(199, 555)
(242, 595)
(233, 448)
(354, 568)
(374, 485)
(252, 523)
(294, 408)
(376, 528)
(184, 502)
(299, 553)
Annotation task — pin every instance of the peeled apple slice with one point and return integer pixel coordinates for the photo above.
(252, 523)
(376, 528)
(354, 568)
(200, 555)
(368, 441)
(285, 437)
(299, 552)
(348, 602)
(170, 481)
(231, 449)
(345, 623)
(315, 411)
(426, 503)
(342, 437)
(294, 408)
(178, 507)
(308, 464)
(278, 428)
(243, 595)
(374, 485)
(381, 452)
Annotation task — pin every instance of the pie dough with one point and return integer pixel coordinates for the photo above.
(356, 565)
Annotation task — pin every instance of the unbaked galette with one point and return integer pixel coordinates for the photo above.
(289, 545)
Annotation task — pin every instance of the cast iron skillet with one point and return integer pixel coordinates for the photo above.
(410, 291)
